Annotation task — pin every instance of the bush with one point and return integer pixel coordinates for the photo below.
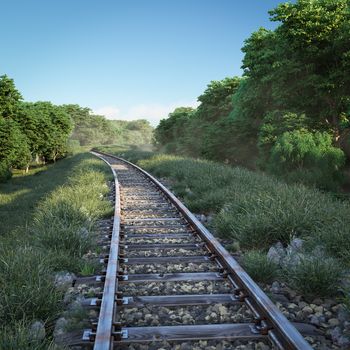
(73, 147)
(259, 267)
(5, 172)
(315, 276)
(307, 157)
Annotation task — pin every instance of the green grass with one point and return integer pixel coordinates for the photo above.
(315, 276)
(131, 153)
(54, 232)
(255, 210)
(259, 267)
(20, 196)
(17, 337)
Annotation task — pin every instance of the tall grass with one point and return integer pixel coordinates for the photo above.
(18, 336)
(61, 232)
(253, 208)
(259, 267)
(315, 276)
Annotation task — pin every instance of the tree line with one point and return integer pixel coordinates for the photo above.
(91, 129)
(290, 111)
(40, 132)
(29, 130)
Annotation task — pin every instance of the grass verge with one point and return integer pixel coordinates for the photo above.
(255, 211)
(61, 233)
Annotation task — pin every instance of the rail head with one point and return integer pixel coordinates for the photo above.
(283, 334)
(103, 337)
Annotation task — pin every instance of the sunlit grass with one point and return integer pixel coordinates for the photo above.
(60, 226)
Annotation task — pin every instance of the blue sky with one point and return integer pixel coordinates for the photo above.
(125, 59)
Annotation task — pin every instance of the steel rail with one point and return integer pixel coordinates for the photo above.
(105, 328)
(268, 317)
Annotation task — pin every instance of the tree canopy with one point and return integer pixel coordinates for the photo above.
(92, 129)
(295, 85)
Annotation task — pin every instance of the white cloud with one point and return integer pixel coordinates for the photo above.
(152, 112)
(110, 112)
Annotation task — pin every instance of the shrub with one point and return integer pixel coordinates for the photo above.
(274, 125)
(259, 267)
(73, 147)
(5, 173)
(303, 156)
(315, 275)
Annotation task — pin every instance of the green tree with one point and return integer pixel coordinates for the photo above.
(47, 128)
(169, 133)
(14, 149)
(9, 97)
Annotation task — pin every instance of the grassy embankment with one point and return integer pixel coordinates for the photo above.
(254, 211)
(47, 224)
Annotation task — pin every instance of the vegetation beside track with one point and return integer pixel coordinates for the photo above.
(64, 209)
(289, 113)
(255, 211)
(32, 134)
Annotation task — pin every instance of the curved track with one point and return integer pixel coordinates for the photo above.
(169, 270)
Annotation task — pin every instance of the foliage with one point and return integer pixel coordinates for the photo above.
(73, 147)
(335, 238)
(169, 132)
(315, 275)
(47, 128)
(296, 79)
(259, 267)
(19, 336)
(58, 237)
(30, 292)
(9, 97)
(29, 130)
(14, 148)
(176, 133)
(91, 129)
(306, 156)
(72, 211)
(5, 172)
(275, 124)
(253, 208)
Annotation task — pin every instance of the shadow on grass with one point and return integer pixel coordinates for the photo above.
(20, 196)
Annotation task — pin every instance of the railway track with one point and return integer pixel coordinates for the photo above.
(168, 281)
